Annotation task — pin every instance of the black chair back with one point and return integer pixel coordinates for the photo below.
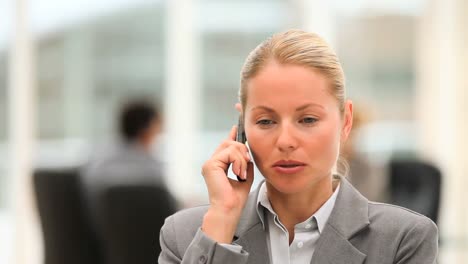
(416, 185)
(130, 221)
(68, 236)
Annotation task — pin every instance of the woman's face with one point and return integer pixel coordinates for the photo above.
(294, 126)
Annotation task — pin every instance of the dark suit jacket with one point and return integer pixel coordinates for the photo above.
(358, 231)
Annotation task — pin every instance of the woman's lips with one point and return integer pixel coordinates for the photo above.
(288, 166)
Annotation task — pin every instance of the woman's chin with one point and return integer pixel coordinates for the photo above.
(287, 184)
(293, 184)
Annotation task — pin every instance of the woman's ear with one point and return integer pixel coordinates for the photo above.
(347, 120)
(239, 108)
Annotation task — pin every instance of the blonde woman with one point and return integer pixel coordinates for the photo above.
(296, 117)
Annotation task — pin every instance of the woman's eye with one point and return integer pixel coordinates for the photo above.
(308, 120)
(265, 122)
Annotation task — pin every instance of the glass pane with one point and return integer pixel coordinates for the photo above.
(3, 125)
(6, 11)
(6, 227)
(88, 68)
(376, 45)
(379, 68)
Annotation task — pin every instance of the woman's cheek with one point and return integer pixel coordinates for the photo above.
(258, 152)
(328, 143)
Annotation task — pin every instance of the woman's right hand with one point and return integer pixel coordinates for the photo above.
(227, 196)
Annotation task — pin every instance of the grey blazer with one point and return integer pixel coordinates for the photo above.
(358, 231)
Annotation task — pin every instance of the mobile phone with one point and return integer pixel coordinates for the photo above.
(240, 136)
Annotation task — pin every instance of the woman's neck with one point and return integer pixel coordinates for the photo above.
(298, 207)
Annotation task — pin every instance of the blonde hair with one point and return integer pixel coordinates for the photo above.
(298, 48)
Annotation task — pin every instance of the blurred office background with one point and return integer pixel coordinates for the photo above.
(65, 66)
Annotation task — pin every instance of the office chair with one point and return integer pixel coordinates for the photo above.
(416, 185)
(68, 236)
(130, 221)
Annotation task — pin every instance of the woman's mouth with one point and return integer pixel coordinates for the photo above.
(288, 166)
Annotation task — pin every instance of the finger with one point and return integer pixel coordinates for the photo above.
(239, 168)
(223, 145)
(241, 147)
(231, 155)
(236, 168)
(232, 133)
(243, 159)
(227, 142)
(247, 184)
(250, 172)
(244, 167)
(239, 165)
(244, 150)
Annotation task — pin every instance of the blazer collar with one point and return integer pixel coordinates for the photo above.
(351, 212)
(250, 233)
(349, 216)
(249, 217)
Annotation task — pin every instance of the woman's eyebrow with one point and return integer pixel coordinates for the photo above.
(302, 107)
(262, 107)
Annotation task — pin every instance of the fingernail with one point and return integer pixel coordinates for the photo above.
(245, 175)
(248, 156)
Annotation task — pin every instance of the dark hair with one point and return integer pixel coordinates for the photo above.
(135, 118)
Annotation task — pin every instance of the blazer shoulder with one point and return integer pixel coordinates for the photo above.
(413, 236)
(397, 217)
(179, 230)
(187, 220)
(191, 212)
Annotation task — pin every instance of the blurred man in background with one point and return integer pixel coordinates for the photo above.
(131, 160)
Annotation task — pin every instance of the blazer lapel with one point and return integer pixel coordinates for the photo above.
(349, 216)
(250, 233)
(332, 248)
(254, 242)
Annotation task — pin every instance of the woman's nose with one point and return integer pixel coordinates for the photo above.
(287, 140)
